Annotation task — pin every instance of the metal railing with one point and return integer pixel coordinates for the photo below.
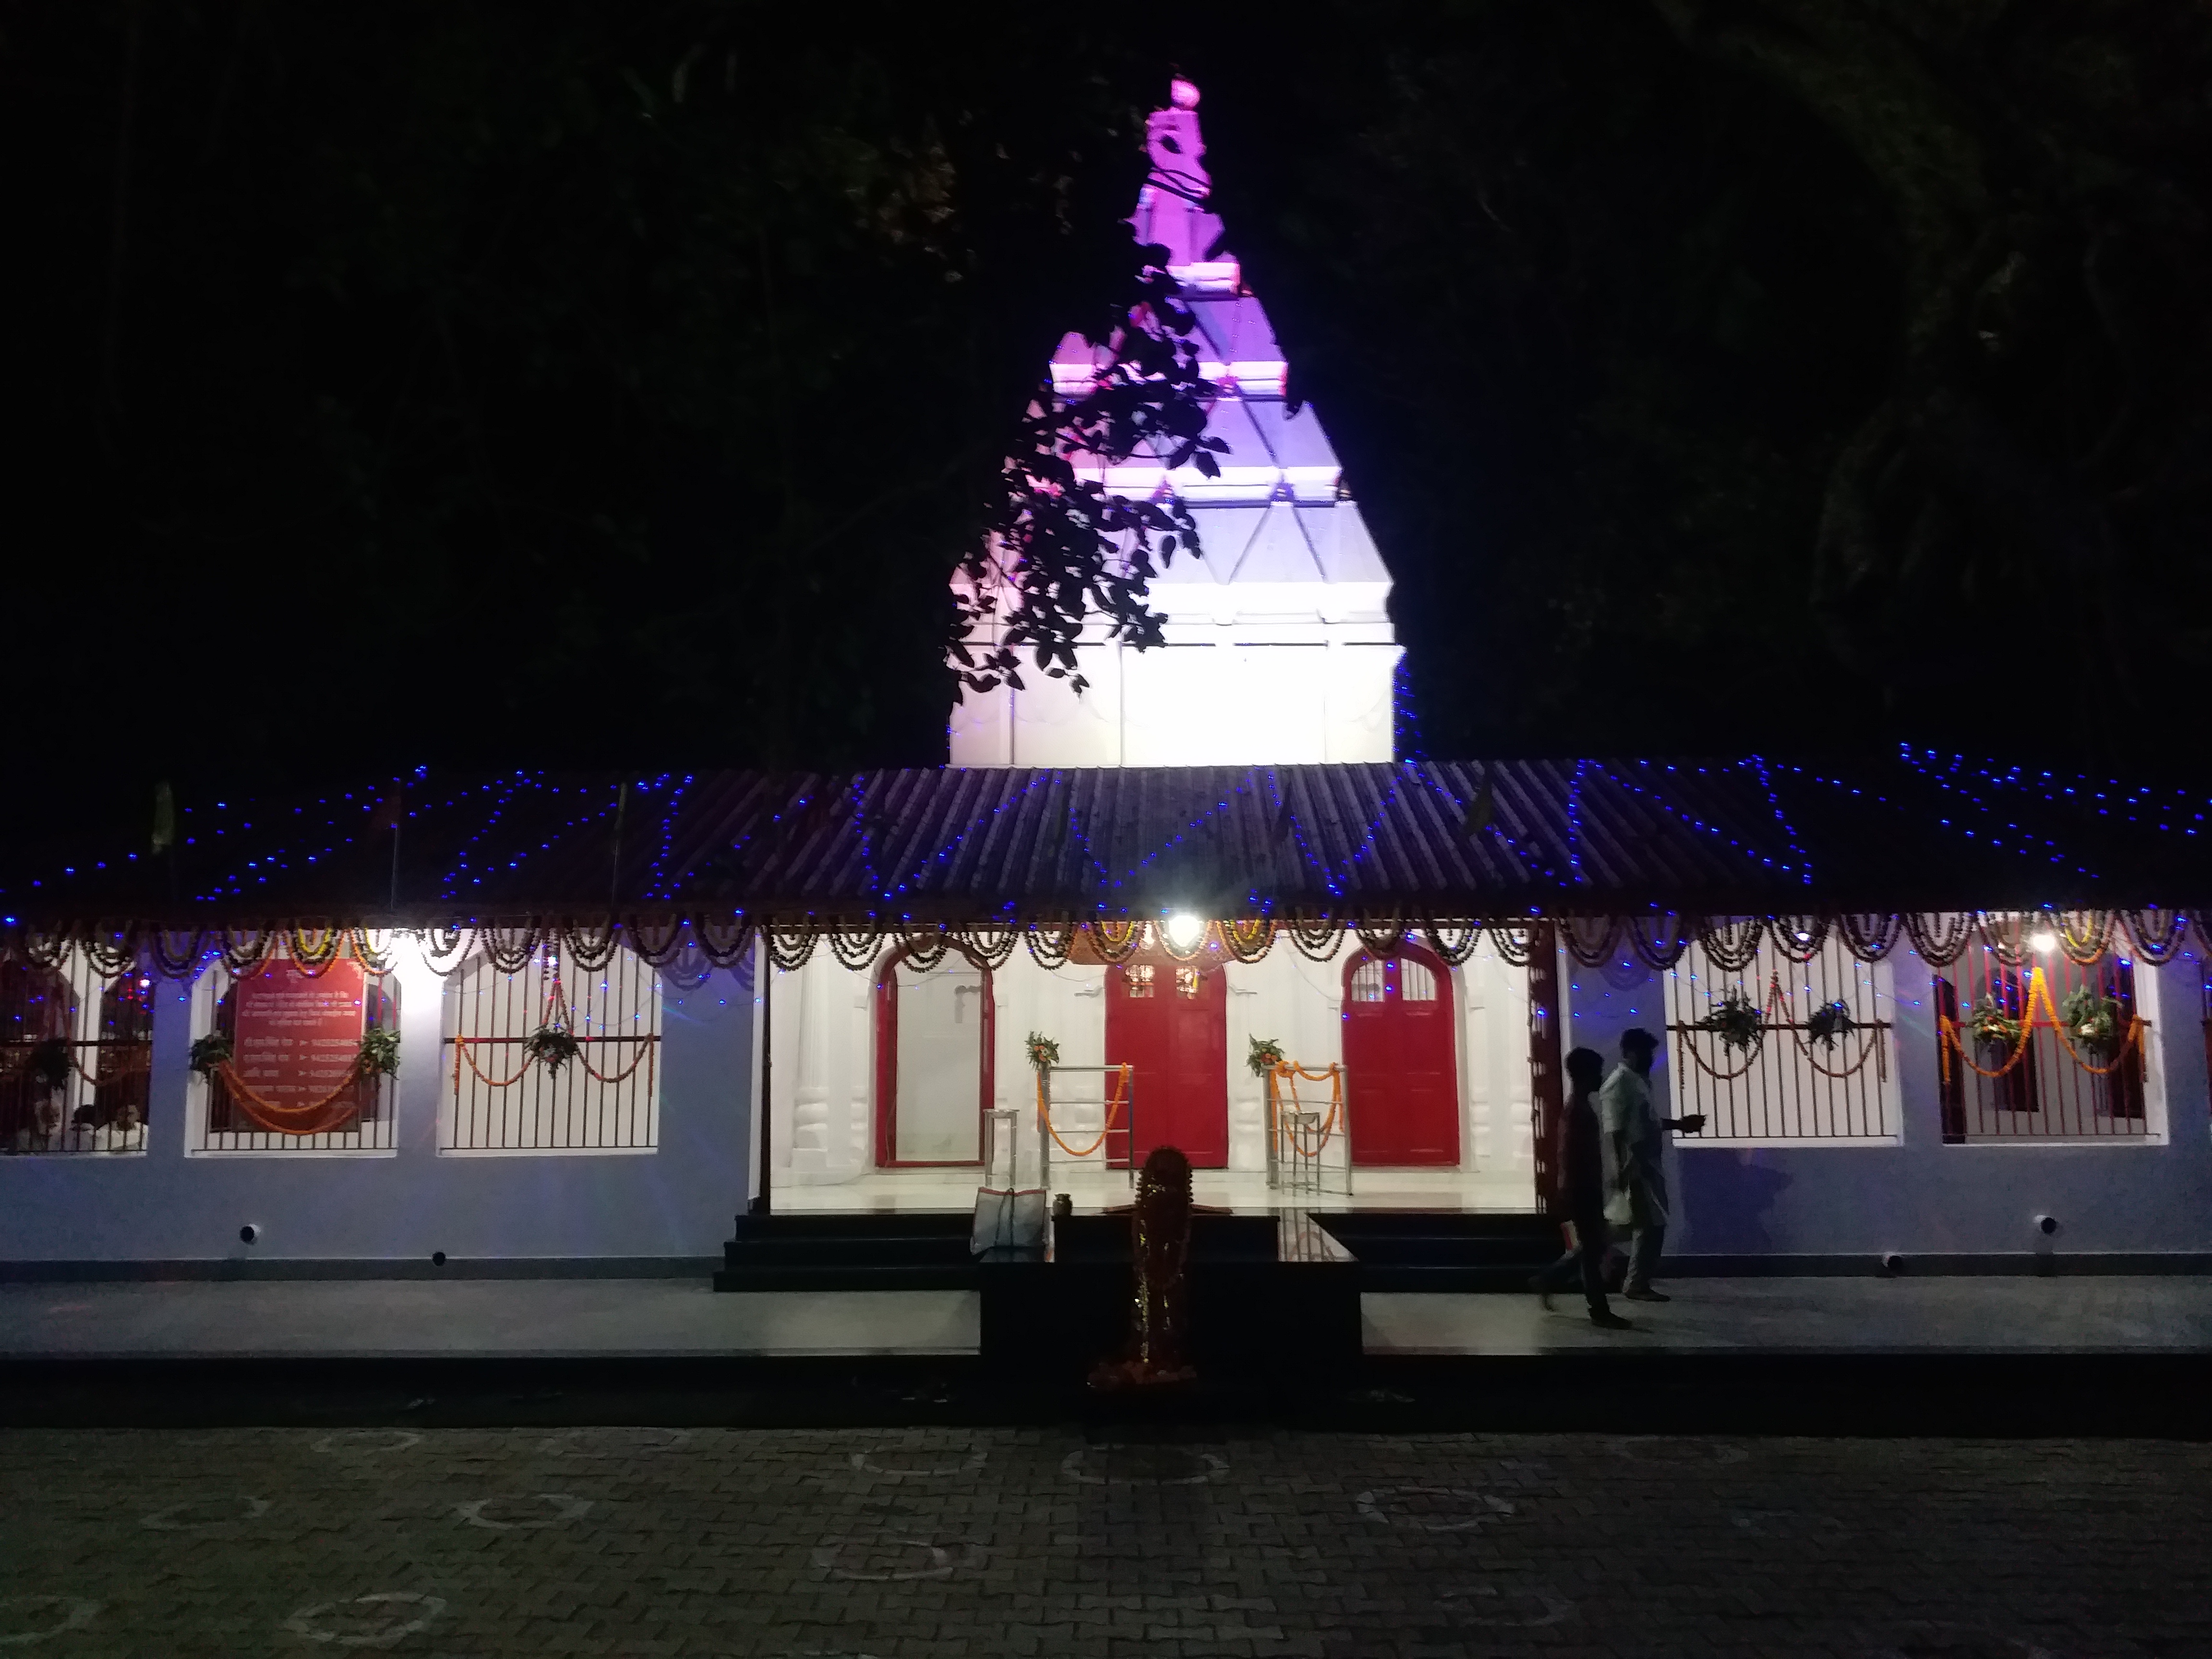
(1814, 1064)
(2048, 1050)
(507, 1087)
(75, 1058)
(365, 1103)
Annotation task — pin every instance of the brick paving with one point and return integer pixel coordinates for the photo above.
(910, 1543)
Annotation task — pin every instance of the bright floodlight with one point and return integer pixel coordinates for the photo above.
(2044, 941)
(1185, 930)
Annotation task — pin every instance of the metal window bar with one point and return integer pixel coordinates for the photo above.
(2047, 1092)
(1791, 1085)
(498, 1098)
(75, 1058)
(226, 1128)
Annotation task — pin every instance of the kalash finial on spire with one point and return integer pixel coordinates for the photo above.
(1172, 209)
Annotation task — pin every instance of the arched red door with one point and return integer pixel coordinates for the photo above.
(1400, 1058)
(1171, 1021)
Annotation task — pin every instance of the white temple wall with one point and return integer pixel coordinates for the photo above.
(1230, 696)
(823, 1088)
(168, 1205)
(1918, 1195)
(1499, 1138)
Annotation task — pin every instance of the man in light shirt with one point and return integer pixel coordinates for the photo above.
(1635, 1184)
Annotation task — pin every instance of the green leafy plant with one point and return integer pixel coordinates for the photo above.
(210, 1051)
(1735, 1019)
(1992, 1026)
(380, 1052)
(1830, 1021)
(2092, 1018)
(1266, 1054)
(49, 1065)
(1044, 1051)
(552, 1047)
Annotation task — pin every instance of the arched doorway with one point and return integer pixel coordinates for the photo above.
(1400, 1058)
(1171, 1021)
(934, 1031)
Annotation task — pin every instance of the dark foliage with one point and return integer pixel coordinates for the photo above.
(486, 382)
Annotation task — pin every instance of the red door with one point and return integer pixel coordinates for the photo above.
(1171, 1021)
(1400, 1060)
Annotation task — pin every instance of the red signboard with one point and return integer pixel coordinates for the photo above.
(296, 1038)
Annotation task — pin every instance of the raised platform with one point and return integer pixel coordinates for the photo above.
(1093, 1187)
(2099, 1355)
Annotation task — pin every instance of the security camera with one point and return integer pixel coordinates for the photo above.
(2046, 1224)
(437, 1258)
(1892, 1263)
(249, 1234)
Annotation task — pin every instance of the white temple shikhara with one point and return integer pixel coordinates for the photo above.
(1280, 648)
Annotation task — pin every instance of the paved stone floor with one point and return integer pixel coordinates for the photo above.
(2106, 1314)
(926, 1543)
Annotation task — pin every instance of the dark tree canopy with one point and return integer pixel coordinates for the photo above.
(581, 383)
(1803, 372)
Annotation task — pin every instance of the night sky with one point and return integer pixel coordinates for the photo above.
(604, 385)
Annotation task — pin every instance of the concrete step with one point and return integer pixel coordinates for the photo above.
(849, 1276)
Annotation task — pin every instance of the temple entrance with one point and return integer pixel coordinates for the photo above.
(1171, 1021)
(1400, 1060)
(933, 1032)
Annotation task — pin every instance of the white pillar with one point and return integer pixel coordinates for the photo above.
(810, 1110)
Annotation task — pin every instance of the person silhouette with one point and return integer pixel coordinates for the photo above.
(1636, 1185)
(1579, 1195)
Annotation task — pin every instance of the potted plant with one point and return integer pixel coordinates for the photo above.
(1830, 1021)
(209, 1052)
(1044, 1052)
(1993, 1028)
(2092, 1018)
(49, 1064)
(1735, 1019)
(1266, 1055)
(380, 1052)
(552, 1047)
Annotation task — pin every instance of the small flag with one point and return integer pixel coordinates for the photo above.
(165, 818)
(1480, 811)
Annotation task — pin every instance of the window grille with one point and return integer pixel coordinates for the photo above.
(75, 1057)
(303, 1063)
(513, 1084)
(2049, 1050)
(1784, 1051)
(1371, 980)
(1137, 978)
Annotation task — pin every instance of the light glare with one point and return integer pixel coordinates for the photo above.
(1185, 930)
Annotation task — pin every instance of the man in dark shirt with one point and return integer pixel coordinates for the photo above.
(1579, 1158)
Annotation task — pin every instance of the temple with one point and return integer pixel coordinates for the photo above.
(1279, 646)
(1932, 1007)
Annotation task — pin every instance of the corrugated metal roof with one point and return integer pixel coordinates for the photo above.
(1497, 838)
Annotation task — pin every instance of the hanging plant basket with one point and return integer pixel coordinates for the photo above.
(49, 1065)
(551, 1047)
(209, 1052)
(1266, 1055)
(380, 1052)
(1993, 1028)
(1735, 1019)
(2093, 1019)
(1829, 1022)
